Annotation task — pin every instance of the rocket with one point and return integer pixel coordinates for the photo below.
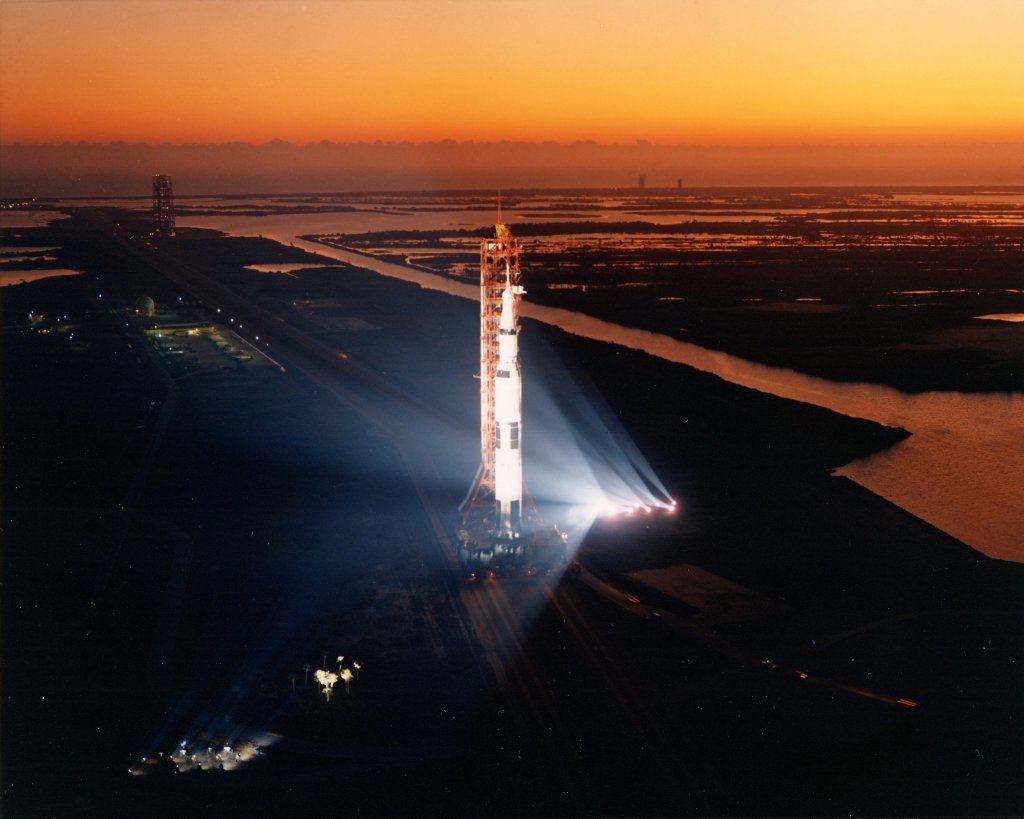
(508, 416)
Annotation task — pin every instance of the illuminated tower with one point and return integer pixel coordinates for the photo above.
(501, 531)
(163, 206)
(499, 480)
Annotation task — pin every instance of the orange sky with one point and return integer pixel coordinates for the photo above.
(732, 72)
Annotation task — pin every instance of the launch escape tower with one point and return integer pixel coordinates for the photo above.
(163, 206)
(496, 531)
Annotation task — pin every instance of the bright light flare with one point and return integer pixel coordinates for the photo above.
(609, 508)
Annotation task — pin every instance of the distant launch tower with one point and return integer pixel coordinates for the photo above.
(163, 206)
(499, 480)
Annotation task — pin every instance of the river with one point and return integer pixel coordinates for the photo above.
(962, 469)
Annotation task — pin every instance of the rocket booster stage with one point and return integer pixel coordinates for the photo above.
(508, 415)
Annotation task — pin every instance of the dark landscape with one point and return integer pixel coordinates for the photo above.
(186, 526)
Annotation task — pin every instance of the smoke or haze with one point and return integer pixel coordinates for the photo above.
(122, 169)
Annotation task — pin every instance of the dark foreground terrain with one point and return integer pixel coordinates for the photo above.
(183, 533)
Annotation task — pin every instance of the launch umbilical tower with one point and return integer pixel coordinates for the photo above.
(499, 531)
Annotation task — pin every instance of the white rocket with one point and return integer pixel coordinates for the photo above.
(508, 416)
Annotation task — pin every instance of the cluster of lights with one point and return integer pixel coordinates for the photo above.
(609, 509)
(242, 327)
(197, 758)
(634, 508)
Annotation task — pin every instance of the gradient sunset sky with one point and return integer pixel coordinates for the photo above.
(712, 72)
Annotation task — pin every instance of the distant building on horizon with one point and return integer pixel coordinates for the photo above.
(163, 205)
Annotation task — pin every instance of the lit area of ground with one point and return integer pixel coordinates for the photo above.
(199, 345)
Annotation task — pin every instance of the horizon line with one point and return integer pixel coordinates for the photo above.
(535, 188)
(448, 141)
